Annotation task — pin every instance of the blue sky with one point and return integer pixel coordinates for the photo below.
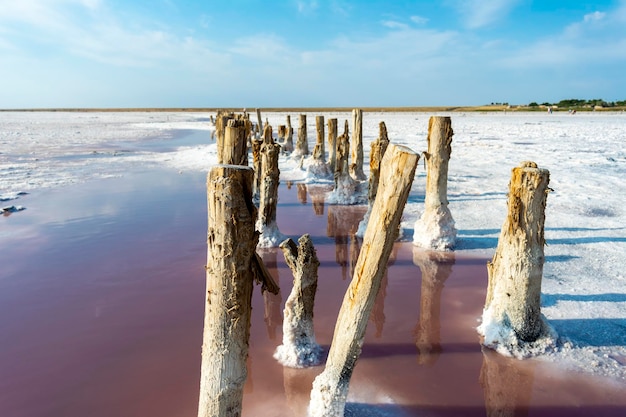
(254, 53)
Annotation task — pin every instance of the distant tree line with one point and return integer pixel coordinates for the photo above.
(573, 102)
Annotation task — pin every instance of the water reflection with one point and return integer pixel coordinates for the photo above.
(273, 315)
(507, 384)
(301, 193)
(342, 225)
(436, 267)
(297, 384)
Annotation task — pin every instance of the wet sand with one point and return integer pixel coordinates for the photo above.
(102, 299)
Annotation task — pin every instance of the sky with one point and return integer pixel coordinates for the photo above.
(314, 53)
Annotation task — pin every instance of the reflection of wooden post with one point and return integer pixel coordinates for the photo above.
(356, 168)
(297, 384)
(235, 148)
(266, 223)
(332, 144)
(435, 229)
(302, 144)
(318, 195)
(288, 146)
(436, 267)
(507, 387)
(299, 349)
(229, 279)
(330, 388)
(273, 315)
(513, 295)
(302, 192)
(378, 148)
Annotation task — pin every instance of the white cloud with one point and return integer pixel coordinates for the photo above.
(419, 20)
(480, 13)
(307, 7)
(594, 17)
(392, 24)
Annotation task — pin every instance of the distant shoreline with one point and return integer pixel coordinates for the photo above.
(417, 109)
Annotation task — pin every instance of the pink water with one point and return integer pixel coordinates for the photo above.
(102, 298)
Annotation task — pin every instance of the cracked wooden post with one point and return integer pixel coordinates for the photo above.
(378, 148)
(288, 145)
(302, 144)
(235, 146)
(356, 168)
(221, 120)
(268, 195)
(230, 273)
(282, 133)
(299, 348)
(435, 228)
(332, 144)
(256, 164)
(512, 314)
(330, 388)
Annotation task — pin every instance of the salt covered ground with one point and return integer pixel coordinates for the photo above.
(583, 292)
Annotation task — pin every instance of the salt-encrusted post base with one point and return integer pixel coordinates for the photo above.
(268, 196)
(512, 322)
(435, 229)
(299, 348)
(330, 388)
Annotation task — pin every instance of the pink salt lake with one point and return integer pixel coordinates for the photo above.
(102, 298)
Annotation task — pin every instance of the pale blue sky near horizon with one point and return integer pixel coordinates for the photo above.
(254, 53)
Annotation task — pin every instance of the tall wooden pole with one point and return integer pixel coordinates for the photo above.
(235, 147)
(302, 144)
(435, 229)
(318, 166)
(332, 144)
(288, 145)
(330, 388)
(268, 196)
(356, 168)
(515, 272)
(229, 281)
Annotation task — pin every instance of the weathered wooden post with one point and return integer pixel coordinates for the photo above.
(299, 348)
(288, 145)
(436, 267)
(332, 144)
(256, 164)
(302, 144)
(282, 133)
(346, 187)
(259, 120)
(268, 196)
(221, 120)
(378, 148)
(235, 145)
(330, 388)
(435, 229)
(318, 166)
(512, 317)
(230, 273)
(356, 168)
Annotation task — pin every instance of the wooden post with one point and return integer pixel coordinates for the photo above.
(435, 267)
(270, 174)
(256, 164)
(512, 314)
(356, 168)
(229, 279)
(435, 229)
(288, 146)
(259, 120)
(330, 388)
(235, 146)
(345, 191)
(282, 133)
(332, 144)
(318, 166)
(302, 144)
(221, 121)
(299, 348)
(378, 148)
